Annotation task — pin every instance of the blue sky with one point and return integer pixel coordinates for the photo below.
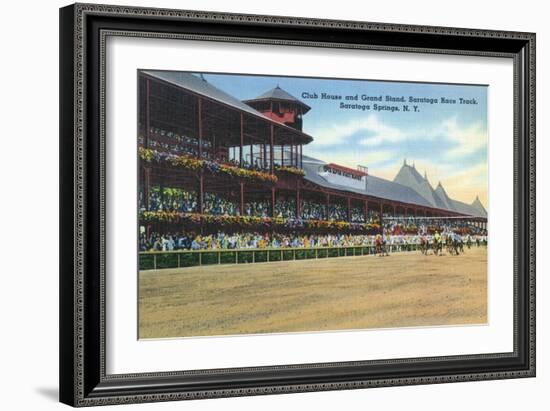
(448, 141)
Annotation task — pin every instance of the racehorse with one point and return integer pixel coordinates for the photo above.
(438, 246)
(424, 245)
(456, 245)
(381, 250)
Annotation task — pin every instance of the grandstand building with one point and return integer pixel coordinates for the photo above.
(227, 156)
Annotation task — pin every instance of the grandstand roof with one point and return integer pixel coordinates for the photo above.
(404, 191)
(199, 85)
(477, 205)
(441, 194)
(376, 187)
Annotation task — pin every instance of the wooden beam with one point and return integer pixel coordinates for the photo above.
(273, 201)
(147, 112)
(242, 142)
(200, 127)
(271, 150)
(146, 187)
(241, 198)
(298, 199)
(201, 192)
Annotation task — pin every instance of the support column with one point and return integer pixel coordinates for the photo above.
(147, 115)
(327, 215)
(213, 148)
(201, 193)
(282, 155)
(146, 187)
(200, 127)
(271, 151)
(242, 142)
(349, 209)
(366, 211)
(251, 154)
(301, 157)
(381, 214)
(298, 199)
(273, 201)
(241, 198)
(291, 154)
(264, 160)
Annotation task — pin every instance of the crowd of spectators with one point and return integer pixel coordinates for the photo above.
(180, 144)
(163, 140)
(217, 205)
(170, 199)
(185, 201)
(337, 212)
(261, 208)
(425, 225)
(285, 208)
(312, 210)
(255, 240)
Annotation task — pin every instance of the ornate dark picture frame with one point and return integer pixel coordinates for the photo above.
(83, 30)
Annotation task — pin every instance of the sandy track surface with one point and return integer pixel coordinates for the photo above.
(402, 290)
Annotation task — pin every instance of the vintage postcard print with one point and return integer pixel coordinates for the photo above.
(284, 204)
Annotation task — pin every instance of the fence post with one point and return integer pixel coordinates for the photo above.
(219, 257)
(179, 260)
(155, 261)
(200, 258)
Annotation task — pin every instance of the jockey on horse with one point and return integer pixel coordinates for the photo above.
(424, 244)
(438, 246)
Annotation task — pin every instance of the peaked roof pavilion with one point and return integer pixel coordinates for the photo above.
(277, 93)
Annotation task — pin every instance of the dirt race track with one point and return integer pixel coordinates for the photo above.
(402, 290)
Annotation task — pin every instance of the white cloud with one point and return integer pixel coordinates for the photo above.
(466, 139)
(462, 183)
(352, 158)
(338, 133)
